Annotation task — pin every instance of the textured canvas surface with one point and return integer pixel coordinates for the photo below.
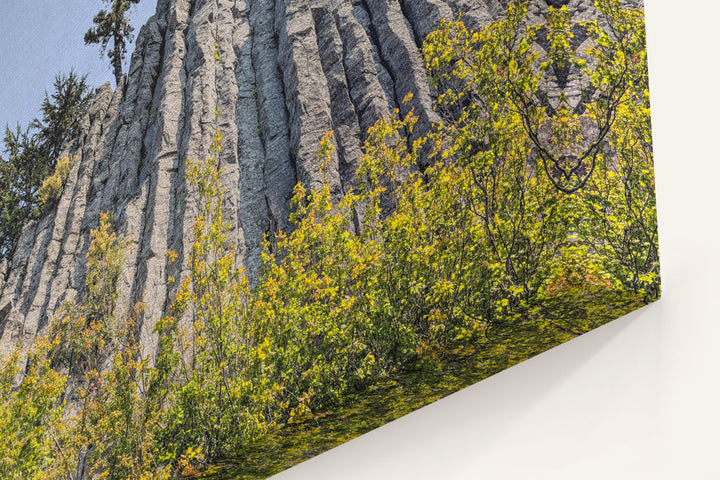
(295, 221)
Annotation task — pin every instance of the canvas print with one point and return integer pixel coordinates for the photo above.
(284, 223)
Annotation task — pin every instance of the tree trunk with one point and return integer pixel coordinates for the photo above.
(117, 61)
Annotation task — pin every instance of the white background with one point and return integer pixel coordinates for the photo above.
(638, 398)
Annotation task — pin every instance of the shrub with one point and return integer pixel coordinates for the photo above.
(52, 187)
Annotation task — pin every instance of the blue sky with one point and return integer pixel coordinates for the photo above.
(39, 39)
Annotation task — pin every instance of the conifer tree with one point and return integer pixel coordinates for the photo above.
(112, 25)
(32, 153)
(63, 112)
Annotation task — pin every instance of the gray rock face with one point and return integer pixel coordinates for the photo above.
(288, 71)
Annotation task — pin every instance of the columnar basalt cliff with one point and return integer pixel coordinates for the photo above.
(272, 76)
